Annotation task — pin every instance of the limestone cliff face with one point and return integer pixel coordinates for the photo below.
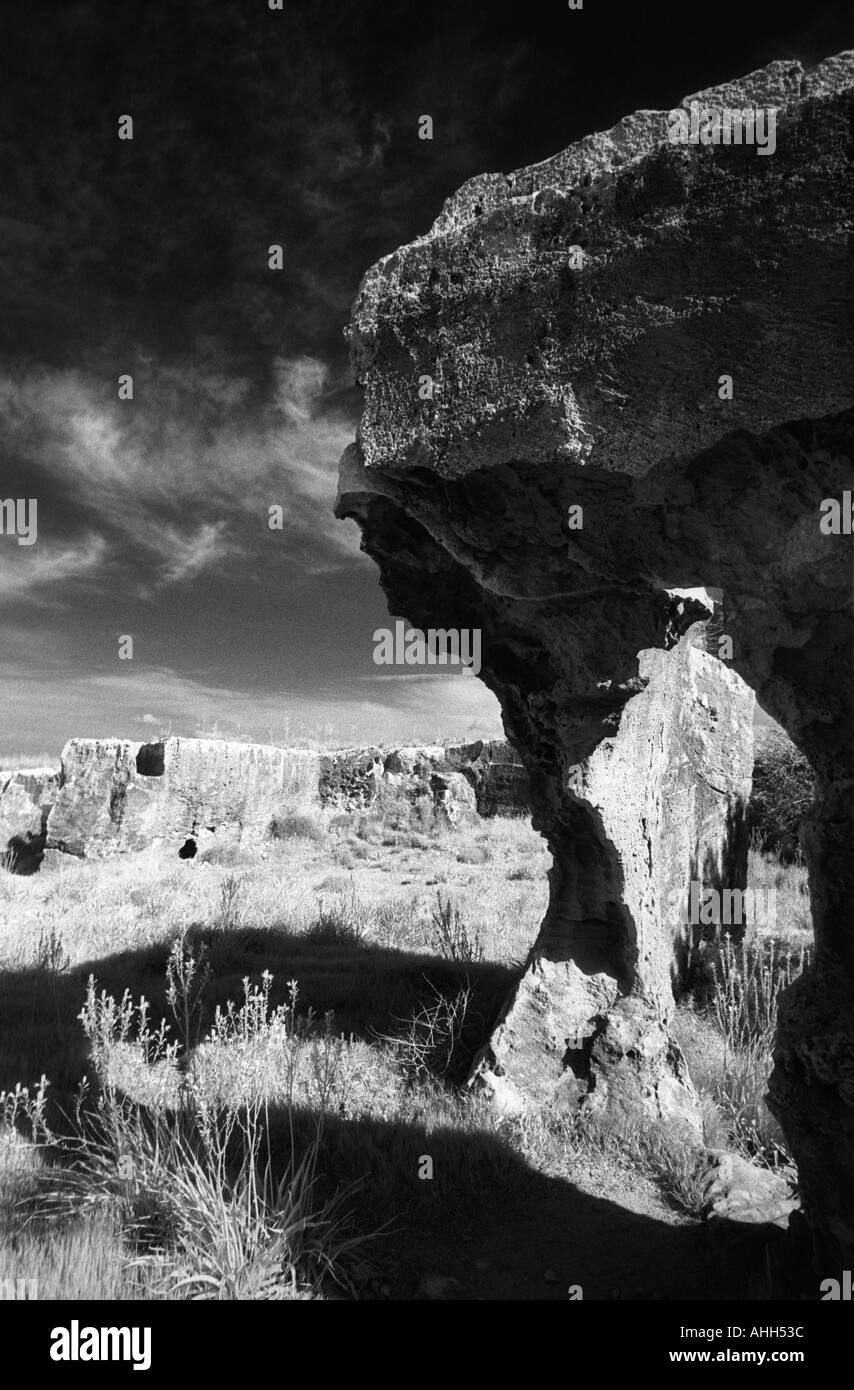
(113, 796)
(118, 796)
(560, 383)
(25, 799)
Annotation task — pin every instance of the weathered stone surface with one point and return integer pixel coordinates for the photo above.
(598, 387)
(350, 776)
(117, 796)
(482, 778)
(498, 775)
(663, 799)
(25, 799)
(736, 1190)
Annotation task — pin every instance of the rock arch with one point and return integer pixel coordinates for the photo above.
(559, 386)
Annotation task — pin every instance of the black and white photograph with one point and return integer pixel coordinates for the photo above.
(426, 671)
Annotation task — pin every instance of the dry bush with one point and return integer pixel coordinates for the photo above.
(178, 1196)
(433, 1041)
(294, 825)
(346, 919)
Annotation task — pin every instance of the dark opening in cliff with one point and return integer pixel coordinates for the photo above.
(150, 760)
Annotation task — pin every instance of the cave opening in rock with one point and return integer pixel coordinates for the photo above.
(188, 849)
(150, 760)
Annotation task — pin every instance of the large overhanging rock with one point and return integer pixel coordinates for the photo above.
(508, 380)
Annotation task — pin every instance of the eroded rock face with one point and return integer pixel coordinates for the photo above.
(485, 778)
(113, 796)
(599, 387)
(497, 775)
(118, 796)
(26, 797)
(658, 804)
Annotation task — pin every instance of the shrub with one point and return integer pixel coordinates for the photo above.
(451, 937)
(204, 1212)
(729, 1044)
(291, 825)
(474, 854)
(678, 1168)
(748, 980)
(230, 912)
(434, 1041)
(783, 790)
(185, 1189)
(347, 919)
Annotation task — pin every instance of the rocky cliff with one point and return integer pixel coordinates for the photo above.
(640, 356)
(116, 796)
(25, 799)
(111, 796)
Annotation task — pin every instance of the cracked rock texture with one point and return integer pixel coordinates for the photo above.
(26, 797)
(597, 387)
(657, 804)
(117, 796)
(113, 796)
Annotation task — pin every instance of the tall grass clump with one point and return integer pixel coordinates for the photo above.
(451, 936)
(170, 1154)
(744, 1004)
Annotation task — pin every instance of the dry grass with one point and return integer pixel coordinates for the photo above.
(262, 1027)
(727, 1032)
(193, 1160)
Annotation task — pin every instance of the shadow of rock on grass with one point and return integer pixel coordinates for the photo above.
(489, 1226)
(371, 990)
(486, 1224)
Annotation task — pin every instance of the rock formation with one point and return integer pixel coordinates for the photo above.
(659, 803)
(26, 797)
(600, 382)
(116, 796)
(485, 777)
(112, 796)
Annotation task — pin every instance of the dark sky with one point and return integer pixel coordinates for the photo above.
(149, 257)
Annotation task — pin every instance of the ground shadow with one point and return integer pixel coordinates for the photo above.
(487, 1225)
(371, 990)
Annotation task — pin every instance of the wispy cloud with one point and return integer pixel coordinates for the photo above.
(120, 704)
(36, 572)
(184, 474)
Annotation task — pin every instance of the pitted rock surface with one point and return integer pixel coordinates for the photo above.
(598, 386)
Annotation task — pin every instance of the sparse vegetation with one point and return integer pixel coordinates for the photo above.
(451, 935)
(294, 825)
(783, 784)
(727, 1030)
(215, 1130)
